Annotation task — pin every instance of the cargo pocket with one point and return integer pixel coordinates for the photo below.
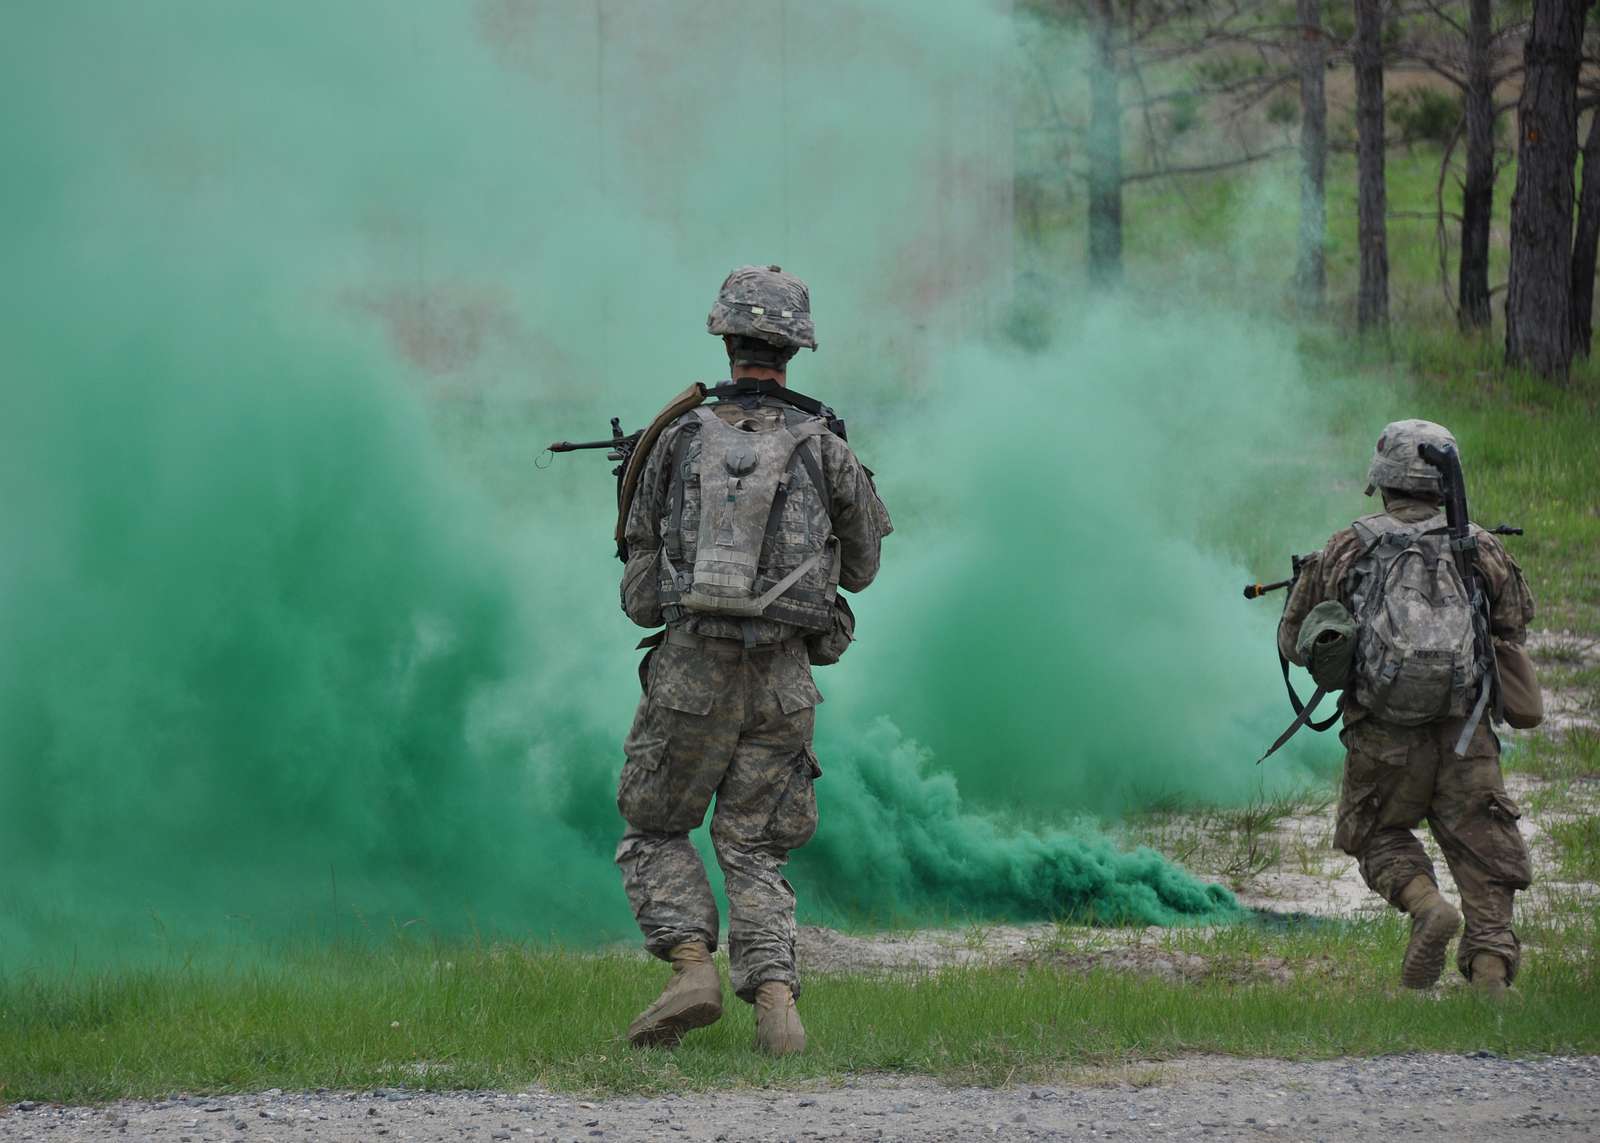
(652, 793)
(1504, 850)
(1373, 763)
(794, 816)
(642, 797)
(1358, 815)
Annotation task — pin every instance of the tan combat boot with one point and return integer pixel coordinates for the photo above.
(692, 999)
(778, 1028)
(1434, 923)
(1489, 976)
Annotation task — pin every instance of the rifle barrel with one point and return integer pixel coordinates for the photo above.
(574, 446)
(1257, 590)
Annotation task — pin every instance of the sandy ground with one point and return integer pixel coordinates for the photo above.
(1476, 1097)
(1565, 708)
(1305, 877)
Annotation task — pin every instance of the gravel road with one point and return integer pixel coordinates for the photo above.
(1475, 1097)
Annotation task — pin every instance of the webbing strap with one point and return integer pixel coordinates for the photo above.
(1301, 719)
(770, 596)
(779, 500)
(1299, 707)
(1477, 716)
(818, 475)
(1302, 712)
(674, 536)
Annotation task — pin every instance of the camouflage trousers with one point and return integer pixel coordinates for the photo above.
(1397, 776)
(719, 720)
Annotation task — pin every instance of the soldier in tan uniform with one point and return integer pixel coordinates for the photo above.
(729, 707)
(1395, 776)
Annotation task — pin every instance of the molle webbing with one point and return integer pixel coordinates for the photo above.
(680, 446)
(745, 482)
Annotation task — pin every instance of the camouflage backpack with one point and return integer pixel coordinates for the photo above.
(1416, 659)
(747, 532)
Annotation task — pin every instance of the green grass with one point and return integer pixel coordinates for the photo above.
(1578, 847)
(475, 1018)
(1561, 756)
(1235, 843)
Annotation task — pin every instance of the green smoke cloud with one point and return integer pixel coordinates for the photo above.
(290, 618)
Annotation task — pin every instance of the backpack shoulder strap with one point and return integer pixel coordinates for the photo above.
(690, 398)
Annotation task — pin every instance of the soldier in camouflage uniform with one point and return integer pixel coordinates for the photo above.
(730, 703)
(1397, 776)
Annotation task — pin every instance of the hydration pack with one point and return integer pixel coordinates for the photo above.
(747, 532)
(1416, 657)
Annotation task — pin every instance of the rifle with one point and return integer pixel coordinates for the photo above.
(1296, 563)
(1303, 711)
(624, 448)
(1257, 590)
(619, 448)
(1464, 550)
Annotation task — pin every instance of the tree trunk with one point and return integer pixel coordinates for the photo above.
(1372, 301)
(1477, 193)
(1538, 300)
(1584, 243)
(1105, 153)
(1311, 275)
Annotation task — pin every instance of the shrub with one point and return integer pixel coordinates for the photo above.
(1425, 114)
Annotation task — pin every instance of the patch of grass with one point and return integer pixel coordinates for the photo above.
(1558, 756)
(1560, 651)
(1578, 847)
(1237, 842)
(496, 1018)
(1582, 679)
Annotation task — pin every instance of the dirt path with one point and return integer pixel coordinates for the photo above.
(1454, 1097)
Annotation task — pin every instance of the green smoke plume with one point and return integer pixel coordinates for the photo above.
(289, 620)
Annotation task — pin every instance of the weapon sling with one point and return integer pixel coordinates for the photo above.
(1302, 712)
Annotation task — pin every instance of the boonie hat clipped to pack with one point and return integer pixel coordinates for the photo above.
(1395, 463)
(764, 302)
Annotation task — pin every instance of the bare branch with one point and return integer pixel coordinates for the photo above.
(1438, 10)
(1206, 168)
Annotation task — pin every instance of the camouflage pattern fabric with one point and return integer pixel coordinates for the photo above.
(1417, 658)
(1327, 573)
(855, 514)
(754, 515)
(1397, 464)
(735, 724)
(719, 722)
(1395, 777)
(766, 303)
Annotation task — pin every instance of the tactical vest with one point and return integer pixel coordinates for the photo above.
(746, 532)
(1416, 657)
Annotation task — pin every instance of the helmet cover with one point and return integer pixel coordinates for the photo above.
(1395, 463)
(763, 302)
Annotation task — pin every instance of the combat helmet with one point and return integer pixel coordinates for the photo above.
(1395, 463)
(763, 302)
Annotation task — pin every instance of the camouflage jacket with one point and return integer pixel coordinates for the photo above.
(859, 521)
(1326, 576)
